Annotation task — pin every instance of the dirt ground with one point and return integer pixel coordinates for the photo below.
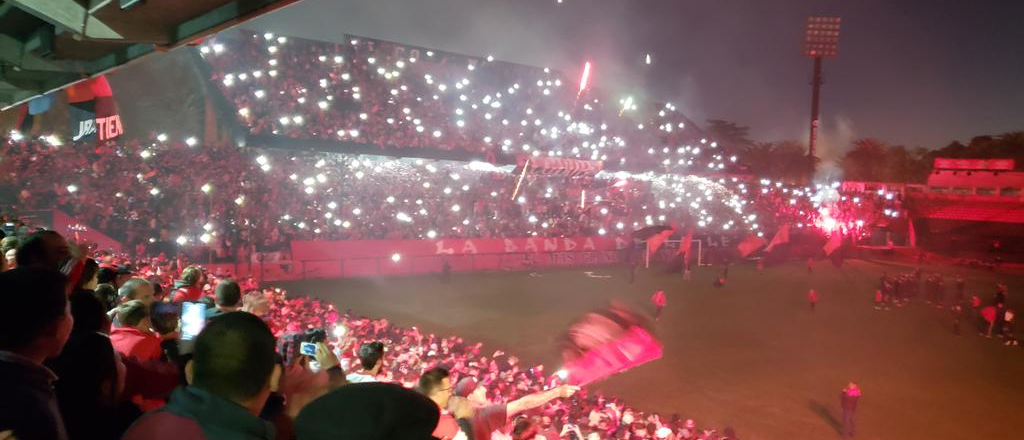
(750, 355)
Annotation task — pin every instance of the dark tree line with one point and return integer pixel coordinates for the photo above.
(785, 160)
(872, 160)
(867, 159)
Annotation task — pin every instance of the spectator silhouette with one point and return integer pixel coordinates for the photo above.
(35, 323)
(230, 376)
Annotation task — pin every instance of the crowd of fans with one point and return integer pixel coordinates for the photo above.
(80, 363)
(95, 345)
(168, 197)
(829, 208)
(380, 93)
(231, 199)
(220, 203)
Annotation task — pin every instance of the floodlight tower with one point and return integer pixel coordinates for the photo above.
(821, 41)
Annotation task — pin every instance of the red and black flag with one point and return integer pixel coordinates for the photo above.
(93, 112)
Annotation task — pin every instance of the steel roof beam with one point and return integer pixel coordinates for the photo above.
(69, 15)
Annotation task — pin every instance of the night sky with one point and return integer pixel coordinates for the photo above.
(911, 72)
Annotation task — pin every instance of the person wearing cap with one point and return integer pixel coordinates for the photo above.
(471, 404)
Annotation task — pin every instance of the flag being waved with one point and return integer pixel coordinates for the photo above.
(834, 242)
(781, 236)
(658, 239)
(749, 245)
(684, 244)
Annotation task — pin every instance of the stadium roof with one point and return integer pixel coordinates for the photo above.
(46, 45)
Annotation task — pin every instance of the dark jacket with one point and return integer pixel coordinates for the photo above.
(368, 411)
(195, 414)
(87, 370)
(28, 405)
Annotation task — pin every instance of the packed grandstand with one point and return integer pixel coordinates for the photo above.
(173, 203)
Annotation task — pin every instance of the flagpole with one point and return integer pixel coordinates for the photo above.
(526, 166)
(647, 255)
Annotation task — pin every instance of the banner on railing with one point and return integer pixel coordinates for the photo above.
(346, 250)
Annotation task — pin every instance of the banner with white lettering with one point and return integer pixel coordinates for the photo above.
(355, 249)
(93, 111)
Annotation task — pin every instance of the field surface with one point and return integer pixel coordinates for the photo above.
(749, 355)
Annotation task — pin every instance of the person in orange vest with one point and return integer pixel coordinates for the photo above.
(878, 299)
(810, 265)
(812, 298)
(659, 301)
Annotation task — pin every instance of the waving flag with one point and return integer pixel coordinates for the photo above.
(911, 233)
(658, 239)
(781, 236)
(834, 242)
(684, 244)
(749, 245)
(607, 342)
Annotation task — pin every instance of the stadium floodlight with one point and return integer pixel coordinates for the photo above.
(821, 40)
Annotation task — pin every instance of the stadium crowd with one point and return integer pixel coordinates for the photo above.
(222, 203)
(828, 208)
(375, 92)
(91, 350)
(100, 346)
